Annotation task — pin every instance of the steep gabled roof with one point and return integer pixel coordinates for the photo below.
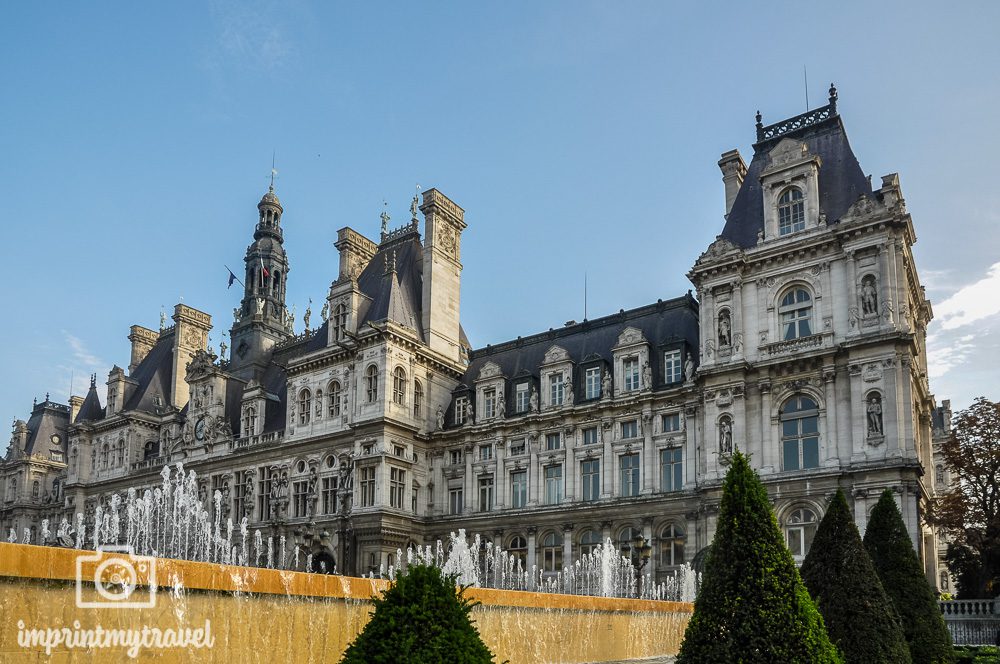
(395, 294)
(152, 378)
(47, 419)
(91, 409)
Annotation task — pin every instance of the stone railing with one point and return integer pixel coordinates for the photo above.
(149, 464)
(972, 622)
(793, 345)
(241, 444)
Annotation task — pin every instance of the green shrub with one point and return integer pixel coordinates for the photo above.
(421, 618)
(897, 566)
(752, 606)
(859, 616)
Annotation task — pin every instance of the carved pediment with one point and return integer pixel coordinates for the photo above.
(787, 151)
(555, 354)
(631, 336)
(862, 207)
(490, 370)
(717, 249)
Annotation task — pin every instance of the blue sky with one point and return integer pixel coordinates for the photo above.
(578, 136)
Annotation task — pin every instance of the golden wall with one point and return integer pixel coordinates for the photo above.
(260, 615)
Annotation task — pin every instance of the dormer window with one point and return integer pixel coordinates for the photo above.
(791, 211)
(305, 404)
(795, 311)
(339, 321)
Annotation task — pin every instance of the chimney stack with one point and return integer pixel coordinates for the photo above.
(143, 339)
(75, 403)
(733, 171)
(444, 222)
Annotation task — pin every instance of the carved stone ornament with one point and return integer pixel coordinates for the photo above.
(724, 398)
(553, 355)
(490, 370)
(786, 152)
(862, 207)
(629, 336)
(719, 248)
(871, 373)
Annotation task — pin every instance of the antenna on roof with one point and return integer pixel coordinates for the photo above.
(805, 82)
(274, 171)
(584, 295)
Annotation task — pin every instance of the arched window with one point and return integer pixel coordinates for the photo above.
(799, 433)
(371, 383)
(399, 385)
(333, 398)
(121, 451)
(795, 311)
(150, 450)
(518, 549)
(305, 404)
(552, 550)
(800, 527)
(276, 283)
(35, 489)
(589, 541)
(672, 546)
(339, 321)
(105, 453)
(791, 211)
(418, 398)
(249, 421)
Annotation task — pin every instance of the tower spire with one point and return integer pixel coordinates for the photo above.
(274, 172)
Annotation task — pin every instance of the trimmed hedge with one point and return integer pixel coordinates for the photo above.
(859, 616)
(421, 618)
(896, 563)
(752, 606)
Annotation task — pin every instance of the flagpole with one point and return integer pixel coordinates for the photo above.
(235, 278)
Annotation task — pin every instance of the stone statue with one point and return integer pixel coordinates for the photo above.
(325, 311)
(725, 329)
(260, 306)
(248, 495)
(606, 384)
(439, 416)
(501, 406)
(533, 400)
(291, 318)
(312, 492)
(647, 376)
(413, 208)
(688, 368)
(307, 315)
(869, 297)
(569, 389)
(875, 416)
(222, 349)
(726, 436)
(163, 320)
(385, 220)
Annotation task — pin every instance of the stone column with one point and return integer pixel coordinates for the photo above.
(500, 477)
(647, 532)
(690, 447)
(769, 448)
(647, 461)
(737, 326)
(567, 532)
(832, 440)
(607, 464)
(569, 468)
(534, 490)
(532, 557)
(470, 481)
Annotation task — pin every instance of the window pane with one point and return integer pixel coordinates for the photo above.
(810, 453)
(790, 459)
(795, 541)
(790, 428)
(809, 425)
(804, 330)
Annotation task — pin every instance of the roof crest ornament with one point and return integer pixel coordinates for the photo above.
(801, 121)
(385, 219)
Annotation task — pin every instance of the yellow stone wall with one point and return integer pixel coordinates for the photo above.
(259, 615)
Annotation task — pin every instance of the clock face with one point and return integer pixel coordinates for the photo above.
(199, 429)
(55, 438)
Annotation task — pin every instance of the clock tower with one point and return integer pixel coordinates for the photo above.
(262, 319)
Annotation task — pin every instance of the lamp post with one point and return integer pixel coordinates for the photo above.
(637, 551)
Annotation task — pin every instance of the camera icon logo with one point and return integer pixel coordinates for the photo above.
(116, 572)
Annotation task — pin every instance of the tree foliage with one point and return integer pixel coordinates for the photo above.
(752, 606)
(421, 618)
(896, 563)
(859, 616)
(969, 510)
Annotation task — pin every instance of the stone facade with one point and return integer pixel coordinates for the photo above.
(805, 347)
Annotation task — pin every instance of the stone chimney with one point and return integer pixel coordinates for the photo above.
(190, 335)
(75, 403)
(356, 251)
(143, 339)
(733, 171)
(444, 222)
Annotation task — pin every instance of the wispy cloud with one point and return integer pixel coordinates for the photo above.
(971, 303)
(250, 33)
(75, 369)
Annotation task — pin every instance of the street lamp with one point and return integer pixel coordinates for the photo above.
(638, 552)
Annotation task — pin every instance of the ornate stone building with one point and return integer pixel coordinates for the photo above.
(805, 347)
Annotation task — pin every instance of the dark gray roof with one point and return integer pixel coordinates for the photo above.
(395, 295)
(47, 419)
(90, 409)
(841, 180)
(152, 378)
(667, 324)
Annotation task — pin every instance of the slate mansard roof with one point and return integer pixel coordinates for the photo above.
(47, 419)
(841, 180)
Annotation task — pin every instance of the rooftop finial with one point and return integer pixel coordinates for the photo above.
(760, 126)
(414, 206)
(93, 380)
(833, 98)
(385, 219)
(274, 172)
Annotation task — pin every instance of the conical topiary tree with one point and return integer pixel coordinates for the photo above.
(421, 618)
(895, 561)
(752, 606)
(859, 616)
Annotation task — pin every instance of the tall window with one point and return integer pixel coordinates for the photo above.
(485, 452)
(397, 487)
(629, 464)
(418, 398)
(518, 549)
(399, 385)
(673, 371)
(522, 396)
(557, 389)
(591, 474)
(368, 486)
(553, 485)
(800, 527)
(671, 546)
(519, 488)
(339, 321)
(800, 433)
(485, 494)
(671, 470)
(553, 441)
(630, 373)
(795, 311)
(589, 541)
(592, 383)
(249, 421)
(333, 399)
(517, 447)
(329, 495)
(455, 501)
(371, 383)
(630, 429)
(456, 457)
(305, 406)
(552, 548)
(300, 490)
(489, 403)
(590, 436)
(671, 422)
(461, 409)
(791, 211)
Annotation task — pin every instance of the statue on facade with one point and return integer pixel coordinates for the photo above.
(569, 389)
(606, 384)
(647, 376)
(223, 346)
(325, 311)
(501, 406)
(163, 320)
(307, 315)
(236, 313)
(689, 368)
(726, 436)
(869, 296)
(385, 218)
(312, 494)
(248, 495)
(260, 306)
(439, 418)
(414, 209)
(875, 416)
(725, 329)
(533, 400)
(224, 501)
